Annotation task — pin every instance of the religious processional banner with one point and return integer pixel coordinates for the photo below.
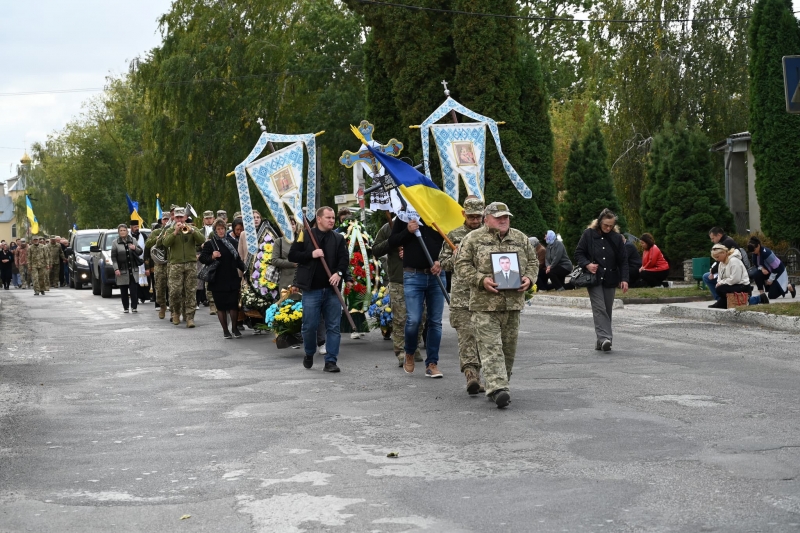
(462, 152)
(452, 105)
(279, 178)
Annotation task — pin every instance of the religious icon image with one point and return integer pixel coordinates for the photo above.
(284, 181)
(506, 270)
(465, 153)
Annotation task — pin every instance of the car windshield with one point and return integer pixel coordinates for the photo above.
(108, 240)
(85, 241)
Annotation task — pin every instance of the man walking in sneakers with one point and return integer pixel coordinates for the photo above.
(420, 288)
(319, 298)
(495, 313)
(182, 241)
(460, 316)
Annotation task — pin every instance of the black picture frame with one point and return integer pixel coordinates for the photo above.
(513, 281)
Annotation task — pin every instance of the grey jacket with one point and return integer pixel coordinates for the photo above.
(556, 255)
(280, 259)
(124, 259)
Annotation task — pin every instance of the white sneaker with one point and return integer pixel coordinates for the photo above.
(355, 335)
(323, 350)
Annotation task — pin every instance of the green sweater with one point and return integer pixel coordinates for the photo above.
(182, 248)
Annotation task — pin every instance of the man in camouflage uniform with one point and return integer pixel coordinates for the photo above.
(182, 269)
(495, 314)
(397, 301)
(460, 316)
(160, 272)
(39, 262)
(56, 254)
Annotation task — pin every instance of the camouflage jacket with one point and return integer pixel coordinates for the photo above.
(39, 256)
(459, 290)
(474, 264)
(56, 253)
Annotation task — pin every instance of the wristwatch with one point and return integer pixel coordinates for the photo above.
(340, 273)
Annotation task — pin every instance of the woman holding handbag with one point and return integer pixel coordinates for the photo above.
(226, 283)
(732, 275)
(601, 252)
(125, 253)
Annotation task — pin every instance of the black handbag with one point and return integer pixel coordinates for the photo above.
(581, 277)
(208, 272)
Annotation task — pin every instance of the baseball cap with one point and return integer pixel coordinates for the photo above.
(179, 212)
(497, 209)
(473, 206)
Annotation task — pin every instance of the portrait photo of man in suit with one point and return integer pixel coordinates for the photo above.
(506, 271)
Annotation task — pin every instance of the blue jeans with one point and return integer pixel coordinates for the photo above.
(15, 280)
(66, 274)
(711, 284)
(322, 304)
(420, 289)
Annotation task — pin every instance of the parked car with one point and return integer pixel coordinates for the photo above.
(102, 269)
(79, 257)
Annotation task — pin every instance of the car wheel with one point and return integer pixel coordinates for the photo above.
(105, 290)
(95, 283)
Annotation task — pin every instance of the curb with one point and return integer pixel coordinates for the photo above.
(670, 300)
(568, 301)
(733, 316)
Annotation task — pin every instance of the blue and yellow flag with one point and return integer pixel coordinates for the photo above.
(434, 206)
(34, 223)
(158, 209)
(133, 209)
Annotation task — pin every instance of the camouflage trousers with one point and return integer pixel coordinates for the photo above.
(41, 278)
(496, 337)
(24, 276)
(398, 303)
(54, 274)
(182, 287)
(161, 273)
(461, 320)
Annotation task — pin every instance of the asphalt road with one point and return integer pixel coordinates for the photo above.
(113, 422)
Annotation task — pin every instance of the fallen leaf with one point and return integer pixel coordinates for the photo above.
(184, 517)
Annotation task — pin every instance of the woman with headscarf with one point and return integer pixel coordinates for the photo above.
(227, 279)
(557, 263)
(125, 253)
(770, 276)
(541, 251)
(601, 251)
(732, 274)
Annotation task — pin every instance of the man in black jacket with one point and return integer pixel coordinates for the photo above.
(319, 297)
(717, 236)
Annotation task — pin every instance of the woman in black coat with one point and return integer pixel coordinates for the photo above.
(227, 282)
(601, 251)
(6, 265)
(125, 254)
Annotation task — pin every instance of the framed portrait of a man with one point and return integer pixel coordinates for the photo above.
(283, 180)
(465, 153)
(505, 266)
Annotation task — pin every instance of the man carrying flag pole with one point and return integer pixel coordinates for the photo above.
(133, 209)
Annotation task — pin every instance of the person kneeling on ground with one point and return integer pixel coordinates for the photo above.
(557, 263)
(731, 276)
(770, 273)
(654, 269)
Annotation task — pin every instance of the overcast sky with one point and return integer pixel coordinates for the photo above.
(56, 45)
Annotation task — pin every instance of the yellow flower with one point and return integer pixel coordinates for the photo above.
(387, 309)
(267, 247)
(271, 285)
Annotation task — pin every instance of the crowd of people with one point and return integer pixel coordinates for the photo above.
(487, 265)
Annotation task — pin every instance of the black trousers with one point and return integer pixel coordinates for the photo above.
(652, 278)
(557, 275)
(774, 290)
(133, 288)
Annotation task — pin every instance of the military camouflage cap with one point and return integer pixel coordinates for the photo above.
(180, 212)
(173, 207)
(473, 206)
(207, 214)
(222, 212)
(164, 215)
(497, 209)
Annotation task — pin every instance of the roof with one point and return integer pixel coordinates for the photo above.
(722, 145)
(17, 183)
(6, 209)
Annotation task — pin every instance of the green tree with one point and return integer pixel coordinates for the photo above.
(588, 183)
(54, 209)
(776, 145)
(682, 201)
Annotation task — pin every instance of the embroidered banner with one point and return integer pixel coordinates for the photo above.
(452, 105)
(462, 152)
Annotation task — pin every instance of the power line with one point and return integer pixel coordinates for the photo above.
(546, 19)
(185, 82)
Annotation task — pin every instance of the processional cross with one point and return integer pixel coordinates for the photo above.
(350, 159)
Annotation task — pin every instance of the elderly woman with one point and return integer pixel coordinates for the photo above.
(125, 252)
(601, 251)
(227, 279)
(731, 276)
(6, 265)
(557, 263)
(654, 269)
(770, 272)
(242, 248)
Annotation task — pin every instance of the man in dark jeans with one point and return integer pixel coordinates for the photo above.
(717, 236)
(420, 287)
(319, 297)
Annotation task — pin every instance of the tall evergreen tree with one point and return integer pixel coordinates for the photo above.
(684, 193)
(774, 33)
(588, 183)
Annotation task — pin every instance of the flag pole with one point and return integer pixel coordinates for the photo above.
(307, 227)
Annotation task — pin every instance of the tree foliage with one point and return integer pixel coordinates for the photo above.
(776, 145)
(588, 183)
(682, 202)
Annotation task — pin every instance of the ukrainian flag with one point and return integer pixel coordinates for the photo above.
(133, 209)
(31, 217)
(436, 207)
(158, 209)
